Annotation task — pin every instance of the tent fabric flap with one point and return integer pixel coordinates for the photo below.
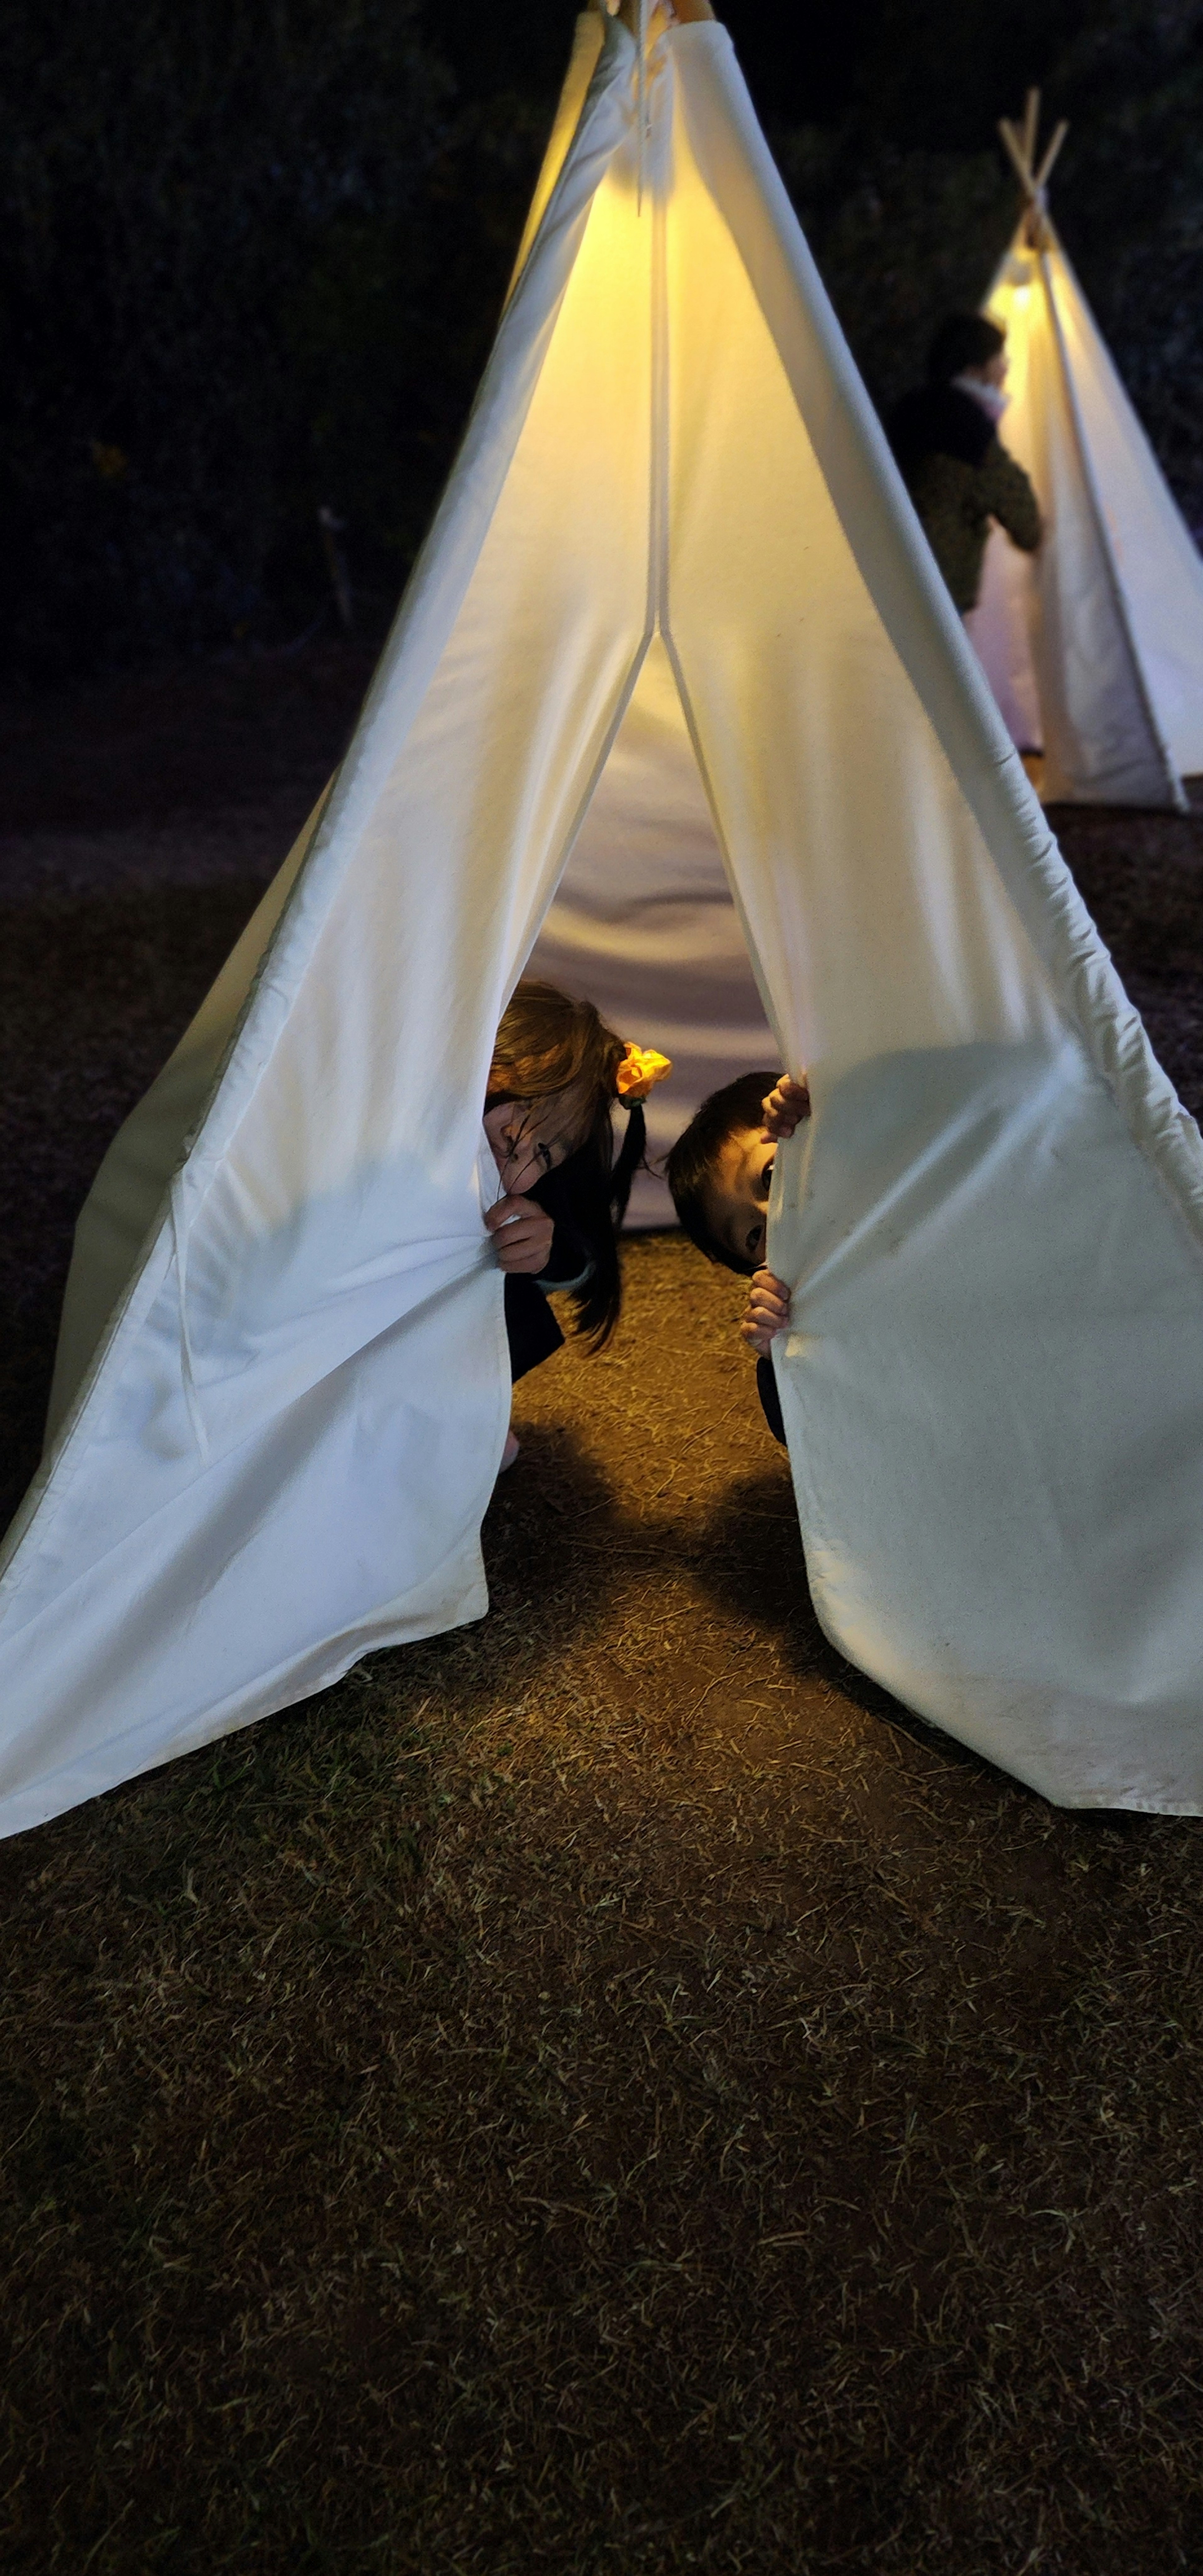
(994, 1383)
(676, 649)
(285, 1447)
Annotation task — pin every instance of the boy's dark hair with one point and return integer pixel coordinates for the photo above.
(729, 1112)
(963, 340)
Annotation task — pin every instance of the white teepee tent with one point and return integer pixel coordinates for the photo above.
(1094, 647)
(284, 1383)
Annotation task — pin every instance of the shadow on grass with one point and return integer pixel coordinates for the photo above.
(552, 1536)
(749, 1558)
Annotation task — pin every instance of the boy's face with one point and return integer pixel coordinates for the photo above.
(736, 1198)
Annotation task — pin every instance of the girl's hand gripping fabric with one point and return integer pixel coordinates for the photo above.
(523, 1235)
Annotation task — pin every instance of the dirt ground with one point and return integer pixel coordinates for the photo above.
(606, 2090)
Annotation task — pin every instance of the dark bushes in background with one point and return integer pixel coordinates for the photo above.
(251, 260)
(906, 219)
(1133, 84)
(901, 237)
(234, 289)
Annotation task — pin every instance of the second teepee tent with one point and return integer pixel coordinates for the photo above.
(1094, 648)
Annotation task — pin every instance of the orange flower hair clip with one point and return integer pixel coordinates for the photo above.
(640, 1068)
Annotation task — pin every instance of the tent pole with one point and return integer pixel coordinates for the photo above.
(642, 17)
(1031, 125)
(1015, 148)
(1042, 175)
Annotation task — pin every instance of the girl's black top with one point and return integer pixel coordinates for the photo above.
(529, 1322)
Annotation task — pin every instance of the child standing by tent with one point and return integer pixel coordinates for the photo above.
(958, 473)
(557, 1072)
(720, 1171)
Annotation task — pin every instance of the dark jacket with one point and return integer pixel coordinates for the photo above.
(770, 1400)
(529, 1322)
(960, 477)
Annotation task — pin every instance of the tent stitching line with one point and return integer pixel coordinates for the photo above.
(659, 600)
(178, 1218)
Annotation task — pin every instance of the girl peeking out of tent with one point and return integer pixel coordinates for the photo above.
(556, 1075)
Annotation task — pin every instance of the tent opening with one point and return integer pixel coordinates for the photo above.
(643, 923)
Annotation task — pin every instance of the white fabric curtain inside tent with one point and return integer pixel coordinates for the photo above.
(1094, 648)
(643, 923)
(279, 1451)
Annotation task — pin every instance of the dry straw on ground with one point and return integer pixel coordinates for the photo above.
(606, 2091)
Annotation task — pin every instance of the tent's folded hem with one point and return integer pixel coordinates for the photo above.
(126, 1759)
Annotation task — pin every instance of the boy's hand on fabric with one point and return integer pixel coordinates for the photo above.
(767, 1311)
(784, 1108)
(523, 1234)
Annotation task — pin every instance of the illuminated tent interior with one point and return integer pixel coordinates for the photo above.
(643, 922)
(1094, 647)
(674, 535)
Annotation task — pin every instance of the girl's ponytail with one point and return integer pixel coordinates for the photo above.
(631, 1155)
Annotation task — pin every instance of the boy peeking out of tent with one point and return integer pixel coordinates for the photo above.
(955, 467)
(720, 1172)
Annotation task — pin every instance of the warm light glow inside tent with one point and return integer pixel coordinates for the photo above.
(1094, 647)
(675, 603)
(643, 922)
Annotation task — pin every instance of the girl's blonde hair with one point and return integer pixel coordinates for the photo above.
(549, 1042)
